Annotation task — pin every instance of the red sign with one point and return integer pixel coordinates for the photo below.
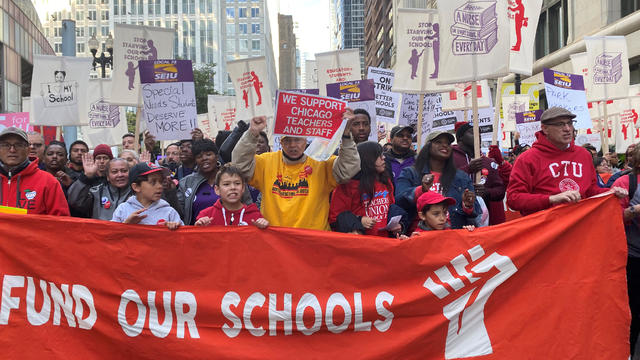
(19, 120)
(550, 285)
(307, 115)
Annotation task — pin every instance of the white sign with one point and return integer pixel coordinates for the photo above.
(512, 104)
(474, 40)
(59, 87)
(387, 101)
(418, 52)
(608, 76)
(131, 44)
(251, 83)
(221, 112)
(460, 97)
(337, 66)
(107, 122)
(523, 22)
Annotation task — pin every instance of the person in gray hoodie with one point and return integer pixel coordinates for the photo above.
(99, 201)
(147, 206)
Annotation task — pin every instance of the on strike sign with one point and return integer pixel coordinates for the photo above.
(307, 115)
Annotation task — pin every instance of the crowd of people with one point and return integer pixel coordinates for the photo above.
(367, 188)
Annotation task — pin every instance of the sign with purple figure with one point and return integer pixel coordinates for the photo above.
(169, 98)
(131, 44)
(567, 91)
(607, 68)
(418, 52)
(475, 41)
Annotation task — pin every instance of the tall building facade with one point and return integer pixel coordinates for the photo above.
(288, 58)
(347, 26)
(207, 31)
(21, 37)
(378, 25)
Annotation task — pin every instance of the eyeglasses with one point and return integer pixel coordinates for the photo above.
(561, 124)
(17, 146)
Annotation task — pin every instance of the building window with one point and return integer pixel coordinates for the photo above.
(552, 31)
(243, 28)
(104, 30)
(115, 7)
(80, 48)
(79, 15)
(255, 44)
(244, 45)
(57, 47)
(231, 13)
(255, 12)
(242, 12)
(91, 2)
(628, 6)
(231, 29)
(92, 15)
(231, 45)
(104, 15)
(255, 28)
(80, 31)
(134, 7)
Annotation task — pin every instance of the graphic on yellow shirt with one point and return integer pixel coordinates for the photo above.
(287, 188)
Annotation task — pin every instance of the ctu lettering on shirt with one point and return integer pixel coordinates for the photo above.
(561, 169)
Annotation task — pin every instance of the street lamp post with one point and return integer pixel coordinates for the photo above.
(104, 61)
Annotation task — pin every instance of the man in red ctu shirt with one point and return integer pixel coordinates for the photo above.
(555, 170)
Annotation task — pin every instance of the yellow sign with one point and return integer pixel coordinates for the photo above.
(525, 88)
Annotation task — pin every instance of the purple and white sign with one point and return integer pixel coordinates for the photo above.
(169, 99)
(475, 40)
(607, 68)
(360, 94)
(527, 124)
(567, 91)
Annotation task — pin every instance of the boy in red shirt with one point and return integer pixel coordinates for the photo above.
(229, 209)
(433, 210)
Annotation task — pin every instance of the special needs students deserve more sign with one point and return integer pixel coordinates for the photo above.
(87, 289)
(307, 115)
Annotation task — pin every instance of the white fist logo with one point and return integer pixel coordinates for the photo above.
(467, 335)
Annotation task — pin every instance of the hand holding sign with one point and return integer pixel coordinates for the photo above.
(258, 124)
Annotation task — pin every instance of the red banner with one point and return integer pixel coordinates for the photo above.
(547, 286)
(307, 115)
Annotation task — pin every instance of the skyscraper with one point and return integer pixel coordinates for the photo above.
(287, 59)
(347, 26)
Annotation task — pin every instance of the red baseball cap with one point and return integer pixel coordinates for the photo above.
(432, 197)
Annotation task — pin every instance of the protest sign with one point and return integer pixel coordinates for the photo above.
(485, 123)
(169, 98)
(474, 41)
(608, 64)
(19, 120)
(306, 91)
(523, 21)
(436, 119)
(567, 91)
(107, 122)
(532, 89)
(511, 105)
(337, 66)
(251, 83)
(387, 101)
(109, 290)
(460, 97)
(627, 132)
(418, 52)
(527, 124)
(221, 112)
(409, 109)
(580, 65)
(307, 115)
(311, 74)
(59, 86)
(585, 137)
(131, 44)
(360, 94)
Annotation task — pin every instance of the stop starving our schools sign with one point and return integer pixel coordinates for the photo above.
(78, 288)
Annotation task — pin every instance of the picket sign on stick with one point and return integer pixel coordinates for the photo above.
(476, 123)
(496, 116)
(137, 134)
(604, 134)
(420, 117)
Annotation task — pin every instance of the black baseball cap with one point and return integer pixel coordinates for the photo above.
(143, 168)
(399, 128)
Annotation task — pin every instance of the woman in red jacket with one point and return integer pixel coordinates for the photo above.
(365, 205)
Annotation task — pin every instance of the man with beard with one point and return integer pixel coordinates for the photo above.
(401, 155)
(55, 161)
(74, 166)
(101, 200)
(172, 158)
(361, 126)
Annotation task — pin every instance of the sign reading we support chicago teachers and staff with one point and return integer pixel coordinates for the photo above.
(169, 98)
(307, 115)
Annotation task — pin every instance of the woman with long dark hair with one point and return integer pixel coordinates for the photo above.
(434, 170)
(365, 204)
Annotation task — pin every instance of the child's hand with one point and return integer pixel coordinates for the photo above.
(135, 217)
(469, 227)
(402, 237)
(367, 222)
(261, 223)
(203, 221)
(415, 233)
(172, 225)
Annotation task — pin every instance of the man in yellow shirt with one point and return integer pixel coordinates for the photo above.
(295, 188)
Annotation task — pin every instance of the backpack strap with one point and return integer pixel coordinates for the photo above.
(633, 184)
